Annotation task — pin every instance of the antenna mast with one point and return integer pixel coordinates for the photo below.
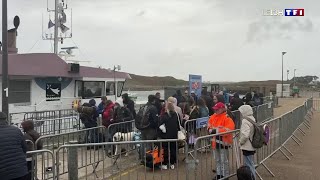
(60, 30)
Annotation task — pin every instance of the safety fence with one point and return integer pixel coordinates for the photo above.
(139, 164)
(198, 127)
(127, 159)
(49, 122)
(227, 157)
(41, 165)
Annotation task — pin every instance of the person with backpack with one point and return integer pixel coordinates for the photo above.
(147, 121)
(220, 122)
(129, 103)
(88, 116)
(247, 132)
(122, 114)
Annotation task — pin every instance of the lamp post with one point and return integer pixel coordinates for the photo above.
(118, 67)
(294, 77)
(283, 53)
(5, 90)
(288, 75)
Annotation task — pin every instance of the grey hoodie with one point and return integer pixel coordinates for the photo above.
(247, 129)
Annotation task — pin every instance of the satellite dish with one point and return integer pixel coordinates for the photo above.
(16, 22)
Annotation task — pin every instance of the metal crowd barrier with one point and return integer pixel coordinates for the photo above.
(281, 130)
(90, 135)
(220, 159)
(41, 164)
(128, 165)
(49, 122)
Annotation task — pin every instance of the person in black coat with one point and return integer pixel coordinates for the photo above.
(129, 104)
(170, 121)
(158, 102)
(13, 148)
(236, 102)
(180, 98)
(208, 100)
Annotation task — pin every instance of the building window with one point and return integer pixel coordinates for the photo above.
(110, 90)
(120, 86)
(90, 89)
(20, 91)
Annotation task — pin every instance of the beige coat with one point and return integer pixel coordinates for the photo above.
(247, 128)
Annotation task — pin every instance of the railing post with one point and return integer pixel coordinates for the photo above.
(73, 162)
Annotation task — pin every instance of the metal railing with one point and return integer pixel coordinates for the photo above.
(281, 130)
(126, 164)
(41, 164)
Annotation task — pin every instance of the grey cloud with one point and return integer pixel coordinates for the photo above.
(278, 28)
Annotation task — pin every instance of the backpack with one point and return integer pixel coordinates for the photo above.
(259, 135)
(257, 101)
(142, 118)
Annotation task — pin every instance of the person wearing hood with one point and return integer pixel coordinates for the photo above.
(13, 148)
(246, 133)
(122, 114)
(236, 102)
(174, 101)
(129, 104)
(31, 135)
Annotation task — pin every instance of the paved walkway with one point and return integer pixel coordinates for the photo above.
(305, 164)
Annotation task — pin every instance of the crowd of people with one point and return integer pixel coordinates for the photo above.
(157, 119)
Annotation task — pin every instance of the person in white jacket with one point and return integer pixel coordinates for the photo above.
(246, 135)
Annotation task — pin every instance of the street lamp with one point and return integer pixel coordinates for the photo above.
(118, 67)
(294, 77)
(283, 53)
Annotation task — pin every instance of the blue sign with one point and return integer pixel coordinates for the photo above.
(195, 84)
(202, 122)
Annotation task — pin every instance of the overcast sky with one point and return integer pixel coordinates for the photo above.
(222, 40)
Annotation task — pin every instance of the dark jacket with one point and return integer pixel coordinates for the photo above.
(13, 150)
(122, 114)
(158, 105)
(101, 108)
(89, 120)
(129, 104)
(172, 125)
(31, 135)
(153, 116)
(236, 102)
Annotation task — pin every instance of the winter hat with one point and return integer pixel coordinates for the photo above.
(120, 102)
(92, 102)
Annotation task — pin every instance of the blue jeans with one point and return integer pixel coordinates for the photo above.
(248, 161)
(222, 161)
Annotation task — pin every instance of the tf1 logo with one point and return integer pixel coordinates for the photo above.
(286, 12)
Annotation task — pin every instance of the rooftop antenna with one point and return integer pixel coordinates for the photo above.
(67, 53)
(60, 30)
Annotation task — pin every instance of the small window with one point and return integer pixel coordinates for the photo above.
(90, 89)
(19, 91)
(120, 88)
(110, 90)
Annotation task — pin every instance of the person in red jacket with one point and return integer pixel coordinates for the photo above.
(107, 120)
(218, 123)
(107, 116)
